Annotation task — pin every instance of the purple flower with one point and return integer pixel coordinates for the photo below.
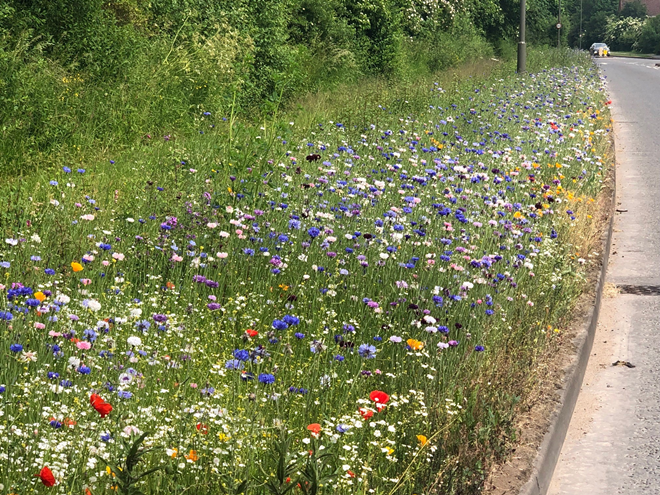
(213, 306)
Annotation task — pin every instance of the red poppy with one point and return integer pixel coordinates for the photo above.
(251, 333)
(350, 473)
(315, 429)
(379, 397)
(101, 406)
(203, 429)
(46, 476)
(365, 413)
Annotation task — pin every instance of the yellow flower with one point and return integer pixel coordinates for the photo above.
(171, 452)
(422, 440)
(76, 266)
(40, 295)
(415, 345)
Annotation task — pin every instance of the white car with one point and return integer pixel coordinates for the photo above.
(599, 50)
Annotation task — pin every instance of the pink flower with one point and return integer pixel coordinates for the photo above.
(85, 281)
(177, 258)
(118, 256)
(211, 225)
(39, 326)
(85, 346)
(222, 256)
(193, 385)
(53, 333)
(105, 262)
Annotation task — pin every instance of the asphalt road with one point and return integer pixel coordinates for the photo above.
(613, 443)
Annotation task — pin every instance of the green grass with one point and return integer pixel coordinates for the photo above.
(188, 243)
(633, 55)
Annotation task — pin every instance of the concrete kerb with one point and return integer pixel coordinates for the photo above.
(548, 453)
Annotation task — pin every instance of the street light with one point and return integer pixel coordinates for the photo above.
(559, 25)
(580, 24)
(522, 55)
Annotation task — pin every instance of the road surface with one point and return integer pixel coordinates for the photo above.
(613, 442)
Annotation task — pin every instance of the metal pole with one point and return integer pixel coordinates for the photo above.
(522, 52)
(559, 26)
(580, 24)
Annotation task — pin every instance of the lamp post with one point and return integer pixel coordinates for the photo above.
(522, 54)
(580, 24)
(559, 25)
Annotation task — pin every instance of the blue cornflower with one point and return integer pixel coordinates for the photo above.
(5, 264)
(266, 378)
(142, 325)
(16, 348)
(2, 389)
(84, 370)
(248, 251)
(339, 358)
(280, 325)
(33, 302)
(299, 335)
(6, 315)
(66, 383)
(342, 428)
(124, 394)
(479, 348)
(55, 424)
(66, 170)
(367, 351)
(241, 354)
(291, 320)
(105, 437)
(53, 182)
(313, 232)
(233, 364)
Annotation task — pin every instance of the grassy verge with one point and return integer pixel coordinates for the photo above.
(633, 55)
(315, 304)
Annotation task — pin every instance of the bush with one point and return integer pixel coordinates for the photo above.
(623, 32)
(649, 37)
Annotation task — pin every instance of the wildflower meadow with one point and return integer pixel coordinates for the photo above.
(342, 308)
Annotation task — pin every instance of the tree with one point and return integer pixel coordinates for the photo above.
(649, 38)
(634, 9)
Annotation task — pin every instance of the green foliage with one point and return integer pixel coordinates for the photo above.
(649, 37)
(80, 76)
(634, 9)
(622, 33)
(125, 473)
